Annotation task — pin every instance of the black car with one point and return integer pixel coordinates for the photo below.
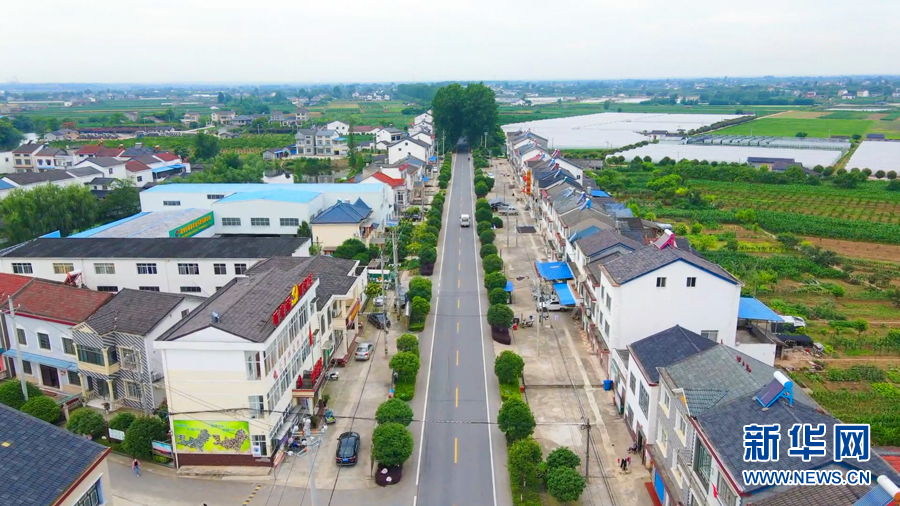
(347, 450)
(379, 320)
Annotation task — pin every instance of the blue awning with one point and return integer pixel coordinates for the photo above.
(599, 193)
(566, 298)
(40, 359)
(554, 270)
(167, 168)
(509, 287)
(753, 309)
(432, 159)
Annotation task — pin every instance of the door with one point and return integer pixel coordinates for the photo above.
(49, 376)
(640, 446)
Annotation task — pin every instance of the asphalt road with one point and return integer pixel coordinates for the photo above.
(460, 446)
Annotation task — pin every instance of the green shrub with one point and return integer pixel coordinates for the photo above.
(419, 309)
(483, 215)
(487, 237)
(523, 458)
(492, 263)
(510, 392)
(562, 457)
(394, 411)
(122, 421)
(498, 296)
(42, 407)
(488, 249)
(408, 342)
(406, 364)
(482, 226)
(481, 189)
(140, 435)
(497, 222)
(11, 393)
(405, 390)
(500, 315)
(482, 204)
(392, 444)
(494, 280)
(565, 484)
(87, 422)
(515, 420)
(508, 367)
(420, 287)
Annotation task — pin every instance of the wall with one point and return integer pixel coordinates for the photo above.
(101, 473)
(274, 210)
(332, 236)
(7, 163)
(56, 331)
(399, 151)
(667, 422)
(764, 352)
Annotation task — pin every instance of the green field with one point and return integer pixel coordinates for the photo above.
(788, 127)
(518, 114)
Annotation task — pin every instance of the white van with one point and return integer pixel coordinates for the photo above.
(464, 220)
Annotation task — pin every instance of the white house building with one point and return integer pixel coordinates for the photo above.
(194, 265)
(406, 147)
(339, 126)
(388, 135)
(46, 311)
(258, 349)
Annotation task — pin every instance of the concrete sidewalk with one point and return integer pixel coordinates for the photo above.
(563, 378)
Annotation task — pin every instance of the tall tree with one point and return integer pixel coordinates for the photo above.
(205, 146)
(47, 208)
(122, 201)
(447, 109)
(9, 136)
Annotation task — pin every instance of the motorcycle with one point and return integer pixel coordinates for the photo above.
(529, 322)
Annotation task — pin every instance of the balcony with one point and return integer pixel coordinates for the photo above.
(309, 387)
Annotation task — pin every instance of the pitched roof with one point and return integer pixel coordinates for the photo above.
(343, 212)
(83, 171)
(103, 161)
(57, 301)
(10, 284)
(28, 148)
(362, 129)
(111, 152)
(412, 140)
(649, 258)
(137, 151)
(166, 247)
(90, 149)
(27, 178)
(134, 312)
(136, 166)
(36, 476)
(603, 240)
(166, 156)
(50, 152)
(245, 304)
(667, 347)
(384, 178)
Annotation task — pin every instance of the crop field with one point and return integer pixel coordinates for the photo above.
(871, 203)
(516, 114)
(788, 127)
(249, 143)
(847, 115)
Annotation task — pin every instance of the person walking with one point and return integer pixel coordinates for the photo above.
(136, 466)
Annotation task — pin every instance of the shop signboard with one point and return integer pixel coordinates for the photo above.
(203, 436)
(193, 227)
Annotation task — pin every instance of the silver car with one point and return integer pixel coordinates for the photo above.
(364, 351)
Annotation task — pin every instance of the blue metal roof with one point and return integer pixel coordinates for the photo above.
(753, 309)
(270, 193)
(101, 228)
(228, 188)
(343, 212)
(167, 168)
(566, 297)
(5, 186)
(56, 234)
(593, 229)
(599, 193)
(554, 270)
(40, 359)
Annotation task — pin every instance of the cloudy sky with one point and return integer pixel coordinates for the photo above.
(431, 40)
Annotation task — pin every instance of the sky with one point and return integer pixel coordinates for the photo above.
(309, 41)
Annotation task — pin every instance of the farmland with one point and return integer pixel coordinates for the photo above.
(516, 114)
(788, 127)
(248, 143)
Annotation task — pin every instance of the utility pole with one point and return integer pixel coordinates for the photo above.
(20, 370)
(384, 302)
(587, 451)
(394, 270)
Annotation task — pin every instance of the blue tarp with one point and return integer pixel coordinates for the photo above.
(40, 359)
(509, 287)
(554, 270)
(565, 294)
(599, 193)
(753, 309)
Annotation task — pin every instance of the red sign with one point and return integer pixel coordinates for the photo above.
(297, 292)
(314, 375)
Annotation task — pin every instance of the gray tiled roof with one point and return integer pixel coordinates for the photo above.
(603, 240)
(83, 171)
(105, 161)
(27, 178)
(42, 460)
(577, 216)
(650, 258)
(245, 304)
(667, 347)
(134, 312)
(166, 247)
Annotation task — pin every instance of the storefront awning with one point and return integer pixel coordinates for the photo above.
(40, 359)
(753, 309)
(552, 271)
(566, 298)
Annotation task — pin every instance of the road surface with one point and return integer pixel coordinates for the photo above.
(462, 453)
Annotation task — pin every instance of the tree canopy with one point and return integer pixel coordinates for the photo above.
(394, 411)
(392, 444)
(27, 214)
(206, 146)
(9, 136)
(469, 111)
(515, 420)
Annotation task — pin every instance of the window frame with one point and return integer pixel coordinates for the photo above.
(691, 282)
(712, 335)
(291, 224)
(65, 348)
(171, 203)
(723, 485)
(700, 464)
(60, 267)
(231, 222)
(27, 368)
(22, 336)
(220, 267)
(262, 442)
(73, 374)
(128, 395)
(661, 282)
(643, 400)
(260, 222)
(46, 338)
(108, 288)
(240, 269)
(257, 406)
(89, 352)
(22, 268)
(184, 269)
(190, 289)
(148, 288)
(104, 268)
(632, 382)
(147, 267)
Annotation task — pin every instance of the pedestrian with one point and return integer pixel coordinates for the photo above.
(624, 464)
(136, 466)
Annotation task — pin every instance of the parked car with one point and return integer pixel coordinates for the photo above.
(796, 321)
(489, 174)
(497, 205)
(554, 305)
(379, 320)
(364, 351)
(348, 449)
(508, 211)
(378, 301)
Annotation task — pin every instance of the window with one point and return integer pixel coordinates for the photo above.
(149, 288)
(63, 268)
(681, 426)
(660, 282)
(631, 382)
(132, 390)
(665, 400)
(188, 269)
(254, 367)
(608, 302)
(190, 289)
(43, 341)
(105, 268)
(259, 222)
(712, 335)
(140, 178)
(240, 269)
(130, 359)
(108, 289)
(146, 268)
(90, 355)
(169, 202)
(74, 378)
(22, 268)
(260, 441)
(662, 439)
(644, 400)
(185, 312)
(691, 282)
(290, 222)
(20, 335)
(215, 196)
(702, 462)
(112, 356)
(68, 346)
(257, 406)
(110, 171)
(26, 367)
(231, 222)
(220, 269)
(606, 328)
(726, 496)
